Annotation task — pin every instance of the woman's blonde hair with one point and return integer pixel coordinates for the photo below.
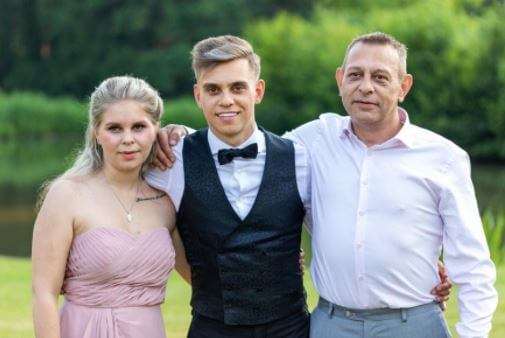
(112, 90)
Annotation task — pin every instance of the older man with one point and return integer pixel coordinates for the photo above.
(387, 196)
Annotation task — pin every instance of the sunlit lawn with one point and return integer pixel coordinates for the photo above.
(15, 302)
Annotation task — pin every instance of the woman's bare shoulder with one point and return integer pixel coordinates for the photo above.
(65, 189)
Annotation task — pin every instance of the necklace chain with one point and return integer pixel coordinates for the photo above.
(128, 211)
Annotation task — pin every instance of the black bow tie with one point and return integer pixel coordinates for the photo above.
(227, 155)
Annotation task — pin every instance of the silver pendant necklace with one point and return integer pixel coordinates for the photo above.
(128, 211)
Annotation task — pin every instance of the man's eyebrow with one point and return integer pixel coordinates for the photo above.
(381, 70)
(243, 83)
(210, 84)
(354, 68)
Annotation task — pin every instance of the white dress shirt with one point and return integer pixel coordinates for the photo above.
(382, 214)
(240, 178)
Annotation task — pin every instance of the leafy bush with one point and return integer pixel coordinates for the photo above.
(456, 54)
(25, 114)
(183, 111)
(67, 47)
(457, 57)
(494, 228)
(34, 115)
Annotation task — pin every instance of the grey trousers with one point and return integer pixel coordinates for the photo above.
(332, 321)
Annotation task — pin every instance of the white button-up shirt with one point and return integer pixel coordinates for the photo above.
(382, 214)
(241, 178)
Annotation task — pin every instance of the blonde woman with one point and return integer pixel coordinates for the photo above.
(103, 237)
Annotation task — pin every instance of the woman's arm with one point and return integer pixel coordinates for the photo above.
(52, 237)
(181, 264)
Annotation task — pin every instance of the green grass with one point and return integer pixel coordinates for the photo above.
(15, 302)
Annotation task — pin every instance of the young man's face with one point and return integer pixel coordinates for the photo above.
(227, 95)
(371, 85)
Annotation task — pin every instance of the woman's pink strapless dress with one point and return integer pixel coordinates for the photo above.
(114, 284)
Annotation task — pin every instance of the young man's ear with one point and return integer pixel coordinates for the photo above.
(259, 90)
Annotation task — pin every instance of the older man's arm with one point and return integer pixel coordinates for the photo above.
(466, 253)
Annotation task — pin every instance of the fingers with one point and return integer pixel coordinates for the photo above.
(175, 134)
(162, 160)
(442, 271)
(167, 137)
(158, 164)
(442, 297)
(442, 291)
(301, 262)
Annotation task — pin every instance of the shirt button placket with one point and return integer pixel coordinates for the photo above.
(360, 229)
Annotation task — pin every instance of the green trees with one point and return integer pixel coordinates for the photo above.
(456, 54)
(67, 47)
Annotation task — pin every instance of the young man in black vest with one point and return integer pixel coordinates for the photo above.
(241, 194)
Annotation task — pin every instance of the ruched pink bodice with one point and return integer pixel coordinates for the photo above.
(114, 284)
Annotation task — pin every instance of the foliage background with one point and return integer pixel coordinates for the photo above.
(65, 48)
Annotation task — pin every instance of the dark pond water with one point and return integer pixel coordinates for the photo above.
(25, 166)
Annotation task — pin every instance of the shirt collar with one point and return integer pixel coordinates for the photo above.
(346, 129)
(216, 144)
(403, 136)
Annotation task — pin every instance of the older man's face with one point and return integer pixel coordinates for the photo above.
(371, 85)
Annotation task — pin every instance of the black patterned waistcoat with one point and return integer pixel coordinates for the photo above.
(244, 272)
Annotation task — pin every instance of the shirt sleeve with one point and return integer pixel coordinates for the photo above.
(302, 169)
(170, 181)
(304, 137)
(305, 134)
(466, 253)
